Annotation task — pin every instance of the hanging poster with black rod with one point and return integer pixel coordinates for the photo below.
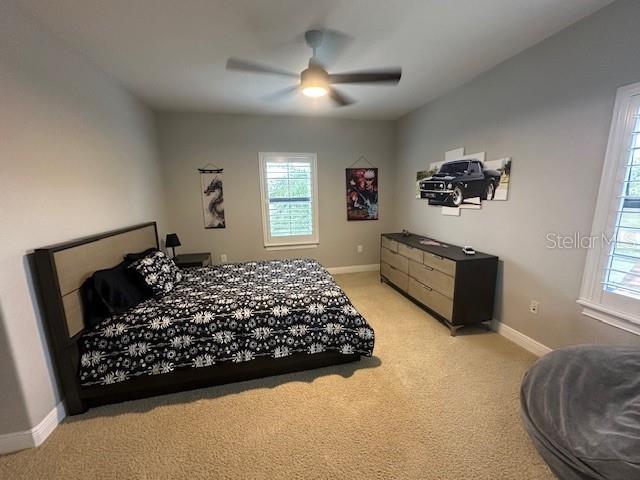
(212, 196)
(362, 191)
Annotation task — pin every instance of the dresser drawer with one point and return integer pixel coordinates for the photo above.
(395, 260)
(442, 264)
(410, 252)
(431, 277)
(389, 244)
(398, 278)
(432, 299)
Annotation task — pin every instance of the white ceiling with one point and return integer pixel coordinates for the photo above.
(172, 53)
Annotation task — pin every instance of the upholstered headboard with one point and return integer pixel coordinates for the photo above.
(63, 268)
(60, 270)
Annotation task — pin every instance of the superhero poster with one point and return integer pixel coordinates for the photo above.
(362, 193)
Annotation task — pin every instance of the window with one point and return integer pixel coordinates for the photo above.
(289, 188)
(611, 283)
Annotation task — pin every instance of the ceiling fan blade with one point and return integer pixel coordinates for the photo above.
(247, 66)
(339, 98)
(280, 94)
(370, 76)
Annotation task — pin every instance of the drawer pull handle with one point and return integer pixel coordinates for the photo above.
(429, 268)
(436, 256)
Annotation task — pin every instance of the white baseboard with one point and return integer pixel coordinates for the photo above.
(12, 442)
(373, 267)
(521, 339)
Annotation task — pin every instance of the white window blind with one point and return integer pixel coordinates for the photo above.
(289, 199)
(611, 282)
(622, 275)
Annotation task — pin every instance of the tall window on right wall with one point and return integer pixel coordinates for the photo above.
(611, 282)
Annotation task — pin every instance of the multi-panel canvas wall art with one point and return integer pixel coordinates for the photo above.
(212, 198)
(362, 193)
(420, 176)
(464, 181)
(502, 166)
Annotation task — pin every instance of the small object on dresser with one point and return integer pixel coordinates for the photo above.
(468, 250)
(172, 241)
(189, 260)
(406, 233)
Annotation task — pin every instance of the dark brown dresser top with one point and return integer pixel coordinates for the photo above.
(446, 250)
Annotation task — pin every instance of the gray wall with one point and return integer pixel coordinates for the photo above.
(77, 156)
(191, 140)
(549, 108)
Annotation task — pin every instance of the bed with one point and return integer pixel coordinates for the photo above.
(220, 324)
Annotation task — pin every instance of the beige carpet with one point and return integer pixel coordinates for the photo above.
(428, 406)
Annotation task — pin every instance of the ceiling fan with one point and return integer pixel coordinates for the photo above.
(315, 81)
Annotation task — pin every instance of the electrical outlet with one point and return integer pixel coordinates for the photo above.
(534, 307)
(223, 258)
(360, 249)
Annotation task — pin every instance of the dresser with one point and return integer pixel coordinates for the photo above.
(457, 289)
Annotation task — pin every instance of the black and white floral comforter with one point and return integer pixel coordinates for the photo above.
(227, 313)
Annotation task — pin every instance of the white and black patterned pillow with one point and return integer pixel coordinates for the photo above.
(158, 271)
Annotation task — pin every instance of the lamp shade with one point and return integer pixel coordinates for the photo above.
(172, 240)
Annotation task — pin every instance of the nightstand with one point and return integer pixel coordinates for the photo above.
(188, 260)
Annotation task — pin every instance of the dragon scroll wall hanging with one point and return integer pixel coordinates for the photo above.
(212, 197)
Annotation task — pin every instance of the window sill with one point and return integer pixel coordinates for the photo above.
(617, 319)
(293, 246)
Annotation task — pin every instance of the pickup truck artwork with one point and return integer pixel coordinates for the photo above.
(456, 182)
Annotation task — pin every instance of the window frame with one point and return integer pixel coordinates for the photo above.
(289, 242)
(596, 302)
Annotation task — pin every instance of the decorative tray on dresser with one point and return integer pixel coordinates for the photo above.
(456, 288)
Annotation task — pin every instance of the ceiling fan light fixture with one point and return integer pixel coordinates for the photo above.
(315, 91)
(314, 82)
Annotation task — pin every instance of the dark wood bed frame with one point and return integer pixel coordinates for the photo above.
(60, 269)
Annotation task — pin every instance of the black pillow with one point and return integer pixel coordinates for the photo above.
(93, 307)
(118, 289)
(134, 257)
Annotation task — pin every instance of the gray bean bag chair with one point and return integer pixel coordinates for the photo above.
(581, 407)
